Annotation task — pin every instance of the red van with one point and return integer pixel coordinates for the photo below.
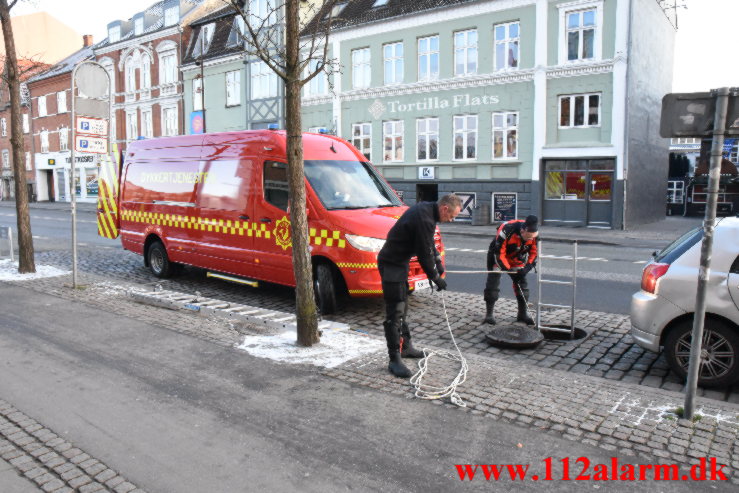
(219, 202)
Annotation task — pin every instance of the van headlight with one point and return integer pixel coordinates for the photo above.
(365, 243)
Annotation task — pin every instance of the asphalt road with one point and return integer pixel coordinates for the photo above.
(606, 279)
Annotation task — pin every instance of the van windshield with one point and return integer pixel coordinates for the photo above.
(349, 185)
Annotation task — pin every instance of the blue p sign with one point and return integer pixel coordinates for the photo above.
(83, 144)
(85, 125)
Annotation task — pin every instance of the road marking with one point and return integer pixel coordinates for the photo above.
(556, 257)
(41, 237)
(641, 261)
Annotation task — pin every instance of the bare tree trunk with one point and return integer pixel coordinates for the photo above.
(25, 240)
(307, 317)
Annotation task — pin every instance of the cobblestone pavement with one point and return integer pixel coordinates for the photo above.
(52, 462)
(607, 352)
(618, 416)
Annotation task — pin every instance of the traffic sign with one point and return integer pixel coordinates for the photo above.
(90, 143)
(691, 115)
(92, 126)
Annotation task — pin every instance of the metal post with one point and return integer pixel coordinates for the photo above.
(10, 242)
(202, 75)
(574, 289)
(719, 127)
(71, 186)
(538, 287)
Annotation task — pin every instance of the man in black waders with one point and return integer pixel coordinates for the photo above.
(412, 235)
(512, 250)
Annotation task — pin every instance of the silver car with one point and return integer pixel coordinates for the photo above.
(662, 312)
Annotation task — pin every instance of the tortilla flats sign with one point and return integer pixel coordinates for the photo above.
(378, 108)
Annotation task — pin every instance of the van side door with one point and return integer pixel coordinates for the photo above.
(225, 210)
(273, 237)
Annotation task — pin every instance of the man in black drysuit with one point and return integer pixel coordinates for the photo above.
(412, 235)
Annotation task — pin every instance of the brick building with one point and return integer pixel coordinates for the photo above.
(51, 106)
(142, 55)
(7, 187)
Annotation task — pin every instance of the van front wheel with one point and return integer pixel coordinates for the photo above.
(159, 261)
(324, 285)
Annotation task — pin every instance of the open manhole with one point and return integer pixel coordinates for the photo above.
(555, 335)
(513, 336)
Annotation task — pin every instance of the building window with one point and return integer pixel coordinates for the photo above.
(130, 75)
(197, 94)
(132, 126)
(42, 106)
(465, 52)
(138, 26)
(169, 68)
(580, 33)
(26, 124)
(685, 140)
(465, 137)
(4, 127)
(734, 153)
(427, 139)
(361, 70)
(171, 15)
(263, 81)
(238, 30)
(61, 102)
(428, 58)
(145, 71)
(579, 110)
(63, 139)
(506, 45)
(169, 121)
(233, 88)
(44, 136)
(202, 43)
(505, 135)
(393, 56)
(262, 13)
(318, 85)
(114, 34)
(362, 138)
(392, 133)
(6, 158)
(28, 161)
(147, 126)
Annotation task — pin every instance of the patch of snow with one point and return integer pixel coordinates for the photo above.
(9, 271)
(335, 348)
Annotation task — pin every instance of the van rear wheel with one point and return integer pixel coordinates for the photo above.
(719, 352)
(324, 284)
(159, 260)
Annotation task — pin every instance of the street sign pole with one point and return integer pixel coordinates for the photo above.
(96, 101)
(719, 127)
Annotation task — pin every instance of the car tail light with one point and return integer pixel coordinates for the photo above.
(651, 275)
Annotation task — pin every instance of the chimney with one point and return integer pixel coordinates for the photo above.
(86, 40)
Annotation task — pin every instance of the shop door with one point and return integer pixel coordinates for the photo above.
(565, 193)
(600, 193)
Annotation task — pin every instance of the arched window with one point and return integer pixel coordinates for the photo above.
(145, 71)
(130, 74)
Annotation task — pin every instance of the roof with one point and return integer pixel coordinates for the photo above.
(357, 12)
(219, 44)
(66, 65)
(222, 12)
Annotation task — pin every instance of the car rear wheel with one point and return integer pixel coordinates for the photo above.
(324, 284)
(159, 260)
(719, 353)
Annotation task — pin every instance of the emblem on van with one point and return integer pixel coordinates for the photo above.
(282, 233)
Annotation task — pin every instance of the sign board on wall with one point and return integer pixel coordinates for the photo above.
(425, 172)
(468, 202)
(505, 206)
(90, 143)
(92, 126)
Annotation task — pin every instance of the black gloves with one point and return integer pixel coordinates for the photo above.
(526, 269)
(440, 283)
(439, 264)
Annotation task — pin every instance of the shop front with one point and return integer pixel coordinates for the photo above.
(578, 192)
(53, 177)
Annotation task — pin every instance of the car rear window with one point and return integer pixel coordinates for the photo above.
(675, 249)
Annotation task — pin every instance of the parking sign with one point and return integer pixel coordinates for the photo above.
(92, 126)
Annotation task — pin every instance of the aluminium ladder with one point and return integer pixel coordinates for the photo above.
(573, 283)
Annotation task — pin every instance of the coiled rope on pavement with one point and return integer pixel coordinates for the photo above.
(431, 392)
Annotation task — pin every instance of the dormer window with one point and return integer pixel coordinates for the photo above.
(138, 26)
(238, 30)
(379, 3)
(336, 10)
(204, 38)
(114, 34)
(171, 16)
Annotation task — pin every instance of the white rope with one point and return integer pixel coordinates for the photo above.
(430, 392)
(481, 272)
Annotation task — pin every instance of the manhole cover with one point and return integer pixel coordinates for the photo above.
(513, 336)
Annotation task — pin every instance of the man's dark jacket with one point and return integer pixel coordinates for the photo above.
(412, 235)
